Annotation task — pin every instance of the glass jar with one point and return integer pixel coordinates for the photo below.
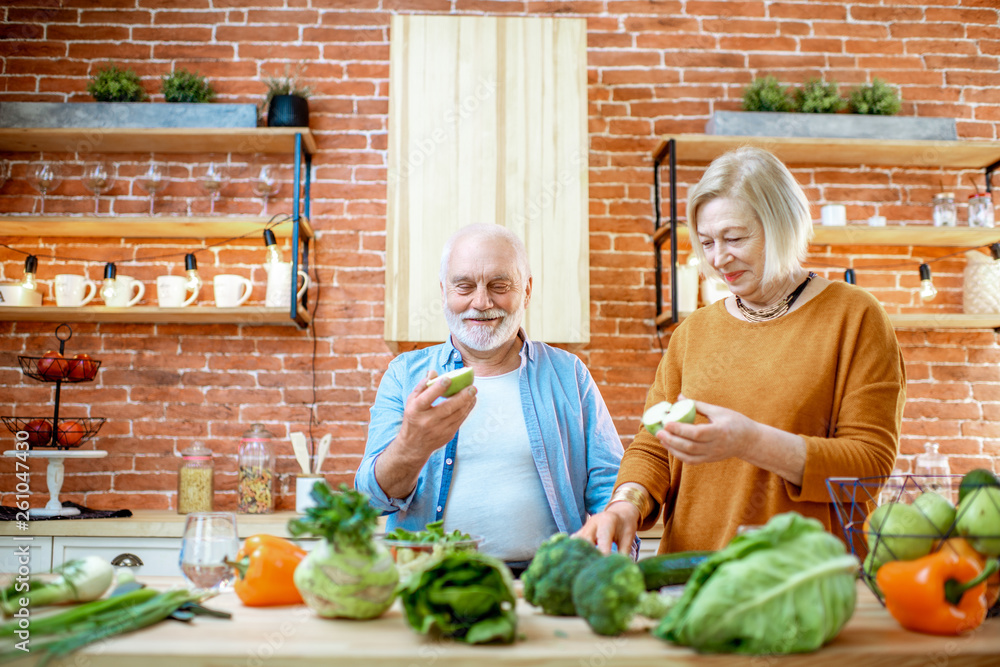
(932, 471)
(256, 472)
(980, 210)
(945, 214)
(195, 480)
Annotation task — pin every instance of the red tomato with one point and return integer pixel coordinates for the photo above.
(81, 367)
(70, 433)
(39, 432)
(53, 366)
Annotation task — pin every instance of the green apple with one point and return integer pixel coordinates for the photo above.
(900, 532)
(937, 510)
(460, 379)
(979, 520)
(976, 479)
(661, 413)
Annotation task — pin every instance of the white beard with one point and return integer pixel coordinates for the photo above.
(479, 338)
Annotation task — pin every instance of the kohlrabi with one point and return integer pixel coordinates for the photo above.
(348, 574)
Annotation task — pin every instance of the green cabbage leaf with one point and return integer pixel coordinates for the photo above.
(787, 587)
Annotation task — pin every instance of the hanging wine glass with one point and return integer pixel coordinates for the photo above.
(98, 177)
(212, 177)
(266, 183)
(153, 180)
(45, 177)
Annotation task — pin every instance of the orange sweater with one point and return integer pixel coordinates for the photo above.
(830, 371)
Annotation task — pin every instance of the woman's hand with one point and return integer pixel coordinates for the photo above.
(615, 525)
(728, 434)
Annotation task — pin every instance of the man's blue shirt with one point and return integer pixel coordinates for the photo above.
(574, 443)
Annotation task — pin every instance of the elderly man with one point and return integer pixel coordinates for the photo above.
(527, 451)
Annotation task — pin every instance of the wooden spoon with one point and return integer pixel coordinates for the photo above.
(324, 448)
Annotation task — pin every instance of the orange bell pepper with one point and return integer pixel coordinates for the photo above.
(264, 566)
(943, 593)
(963, 548)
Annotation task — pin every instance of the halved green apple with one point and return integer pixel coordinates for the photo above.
(460, 379)
(661, 413)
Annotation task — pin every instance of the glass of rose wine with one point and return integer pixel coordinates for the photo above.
(209, 540)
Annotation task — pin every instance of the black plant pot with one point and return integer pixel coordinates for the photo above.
(288, 111)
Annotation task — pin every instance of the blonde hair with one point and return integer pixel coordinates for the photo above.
(757, 180)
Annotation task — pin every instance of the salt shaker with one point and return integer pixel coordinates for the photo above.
(945, 214)
(980, 210)
(256, 472)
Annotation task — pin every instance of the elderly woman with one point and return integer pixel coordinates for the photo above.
(795, 378)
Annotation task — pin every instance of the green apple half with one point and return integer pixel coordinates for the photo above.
(460, 379)
(661, 413)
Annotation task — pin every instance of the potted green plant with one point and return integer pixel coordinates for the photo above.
(182, 86)
(876, 98)
(767, 94)
(114, 84)
(286, 100)
(819, 96)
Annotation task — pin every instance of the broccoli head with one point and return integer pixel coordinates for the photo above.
(607, 593)
(548, 581)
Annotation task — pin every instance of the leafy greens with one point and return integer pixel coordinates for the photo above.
(788, 587)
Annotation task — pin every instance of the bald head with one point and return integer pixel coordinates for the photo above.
(491, 238)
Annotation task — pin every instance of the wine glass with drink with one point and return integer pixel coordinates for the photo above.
(210, 540)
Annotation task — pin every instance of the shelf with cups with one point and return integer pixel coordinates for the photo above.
(700, 149)
(297, 141)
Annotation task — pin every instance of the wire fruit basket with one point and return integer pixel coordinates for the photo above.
(914, 532)
(72, 431)
(64, 369)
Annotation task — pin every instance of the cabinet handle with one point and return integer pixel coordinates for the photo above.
(127, 560)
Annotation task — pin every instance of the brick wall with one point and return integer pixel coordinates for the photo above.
(654, 67)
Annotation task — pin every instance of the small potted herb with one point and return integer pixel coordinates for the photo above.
(818, 96)
(286, 101)
(113, 84)
(876, 98)
(767, 94)
(184, 86)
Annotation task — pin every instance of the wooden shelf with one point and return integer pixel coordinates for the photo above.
(154, 315)
(703, 148)
(156, 140)
(915, 235)
(144, 227)
(916, 321)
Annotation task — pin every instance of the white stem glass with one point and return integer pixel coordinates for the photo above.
(153, 180)
(212, 178)
(266, 183)
(98, 177)
(45, 177)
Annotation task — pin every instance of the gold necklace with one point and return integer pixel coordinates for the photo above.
(778, 309)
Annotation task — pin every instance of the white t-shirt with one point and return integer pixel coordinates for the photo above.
(495, 488)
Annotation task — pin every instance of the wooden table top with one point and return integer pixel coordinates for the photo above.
(294, 637)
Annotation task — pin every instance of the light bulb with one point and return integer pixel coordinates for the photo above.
(194, 281)
(109, 290)
(273, 255)
(30, 268)
(693, 260)
(927, 289)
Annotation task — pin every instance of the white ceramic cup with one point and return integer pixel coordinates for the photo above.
(72, 290)
(279, 285)
(303, 487)
(128, 293)
(834, 215)
(172, 290)
(876, 221)
(228, 288)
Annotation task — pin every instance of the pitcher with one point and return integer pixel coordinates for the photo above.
(279, 284)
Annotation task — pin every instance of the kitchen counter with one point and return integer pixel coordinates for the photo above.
(294, 637)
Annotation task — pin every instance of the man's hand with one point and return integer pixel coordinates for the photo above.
(426, 428)
(617, 524)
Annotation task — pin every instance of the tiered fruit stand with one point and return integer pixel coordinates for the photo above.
(63, 435)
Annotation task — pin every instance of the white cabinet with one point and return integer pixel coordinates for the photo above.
(151, 556)
(39, 554)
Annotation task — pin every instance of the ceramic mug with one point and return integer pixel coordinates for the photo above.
(72, 290)
(279, 285)
(128, 293)
(171, 290)
(227, 290)
(834, 215)
(303, 487)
